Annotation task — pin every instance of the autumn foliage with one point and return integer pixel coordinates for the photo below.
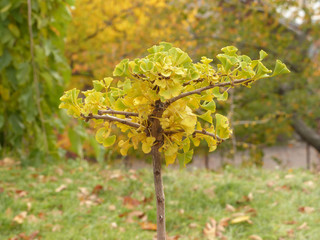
(168, 80)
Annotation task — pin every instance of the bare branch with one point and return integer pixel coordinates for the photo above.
(244, 122)
(110, 111)
(199, 90)
(111, 119)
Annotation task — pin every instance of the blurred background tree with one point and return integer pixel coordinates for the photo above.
(103, 33)
(33, 74)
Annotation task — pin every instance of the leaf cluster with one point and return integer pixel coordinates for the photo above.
(166, 81)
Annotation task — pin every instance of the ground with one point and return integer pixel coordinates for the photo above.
(77, 200)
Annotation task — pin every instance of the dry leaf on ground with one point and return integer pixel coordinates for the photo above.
(255, 237)
(20, 217)
(148, 226)
(62, 187)
(306, 210)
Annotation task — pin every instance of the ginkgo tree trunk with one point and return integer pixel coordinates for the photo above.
(154, 102)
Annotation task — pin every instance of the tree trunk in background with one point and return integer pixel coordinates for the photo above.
(309, 135)
(206, 160)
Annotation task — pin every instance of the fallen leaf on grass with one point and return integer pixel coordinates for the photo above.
(230, 208)
(20, 217)
(88, 199)
(309, 184)
(213, 229)
(59, 171)
(23, 236)
(303, 226)
(255, 237)
(241, 219)
(292, 222)
(290, 233)
(41, 215)
(8, 162)
(21, 193)
(56, 228)
(131, 215)
(148, 226)
(32, 219)
(210, 230)
(306, 210)
(62, 187)
(112, 207)
(130, 202)
(193, 225)
(97, 189)
(289, 176)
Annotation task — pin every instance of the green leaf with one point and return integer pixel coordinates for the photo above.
(186, 144)
(146, 66)
(230, 50)
(262, 54)
(280, 68)
(206, 116)
(5, 59)
(209, 106)
(222, 126)
(14, 30)
(220, 96)
(98, 85)
(108, 81)
(185, 158)
(147, 144)
(262, 71)
(1, 120)
(100, 134)
(121, 68)
(225, 61)
(6, 8)
(109, 141)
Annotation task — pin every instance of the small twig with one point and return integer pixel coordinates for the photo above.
(111, 118)
(195, 132)
(111, 111)
(209, 134)
(243, 122)
(199, 90)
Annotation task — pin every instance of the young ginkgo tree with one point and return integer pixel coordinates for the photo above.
(155, 103)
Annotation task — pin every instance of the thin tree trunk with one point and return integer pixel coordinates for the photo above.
(308, 155)
(160, 199)
(156, 132)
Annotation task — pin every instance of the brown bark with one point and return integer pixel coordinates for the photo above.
(206, 160)
(156, 132)
(309, 135)
(158, 185)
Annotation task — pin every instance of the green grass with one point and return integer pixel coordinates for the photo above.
(192, 198)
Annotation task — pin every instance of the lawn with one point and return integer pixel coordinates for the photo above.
(76, 200)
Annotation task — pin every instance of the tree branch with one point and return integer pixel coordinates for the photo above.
(209, 134)
(111, 111)
(199, 90)
(198, 131)
(254, 122)
(111, 119)
(305, 132)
